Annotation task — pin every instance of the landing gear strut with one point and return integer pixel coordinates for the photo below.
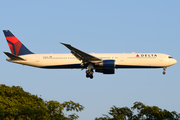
(89, 73)
(164, 70)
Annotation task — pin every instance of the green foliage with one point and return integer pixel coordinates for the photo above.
(120, 113)
(143, 113)
(16, 104)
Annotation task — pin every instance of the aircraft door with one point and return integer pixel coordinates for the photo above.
(161, 59)
(122, 58)
(37, 59)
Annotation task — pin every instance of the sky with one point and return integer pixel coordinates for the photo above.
(95, 26)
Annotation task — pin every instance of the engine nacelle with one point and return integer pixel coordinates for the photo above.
(106, 71)
(107, 67)
(107, 64)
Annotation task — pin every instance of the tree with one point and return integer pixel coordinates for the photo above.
(153, 112)
(143, 113)
(16, 104)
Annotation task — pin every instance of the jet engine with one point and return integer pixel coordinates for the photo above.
(106, 64)
(107, 67)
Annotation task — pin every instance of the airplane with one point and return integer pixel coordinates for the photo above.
(105, 63)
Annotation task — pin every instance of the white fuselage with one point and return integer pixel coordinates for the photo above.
(122, 60)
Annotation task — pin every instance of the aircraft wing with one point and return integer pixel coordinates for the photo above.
(80, 55)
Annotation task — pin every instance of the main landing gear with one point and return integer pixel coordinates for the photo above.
(164, 70)
(89, 73)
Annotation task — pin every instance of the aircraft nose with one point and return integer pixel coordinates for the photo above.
(173, 61)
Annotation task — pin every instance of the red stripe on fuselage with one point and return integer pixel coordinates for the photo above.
(16, 42)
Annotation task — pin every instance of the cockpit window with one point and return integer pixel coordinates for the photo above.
(170, 57)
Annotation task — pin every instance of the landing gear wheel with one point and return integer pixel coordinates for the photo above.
(89, 73)
(91, 76)
(164, 70)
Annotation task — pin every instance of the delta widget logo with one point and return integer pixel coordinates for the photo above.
(146, 55)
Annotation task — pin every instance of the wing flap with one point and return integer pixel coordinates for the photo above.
(13, 57)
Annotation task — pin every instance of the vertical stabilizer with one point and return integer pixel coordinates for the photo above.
(16, 47)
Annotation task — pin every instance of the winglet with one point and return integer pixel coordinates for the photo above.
(64, 43)
(67, 45)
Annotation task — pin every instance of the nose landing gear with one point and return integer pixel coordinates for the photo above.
(164, 70)
(89, 73)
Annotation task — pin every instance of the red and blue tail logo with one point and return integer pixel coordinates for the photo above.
(16, 47)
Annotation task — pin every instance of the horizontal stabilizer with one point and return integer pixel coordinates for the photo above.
(13, 57)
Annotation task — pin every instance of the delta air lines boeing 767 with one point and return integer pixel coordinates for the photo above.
(105, 63)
